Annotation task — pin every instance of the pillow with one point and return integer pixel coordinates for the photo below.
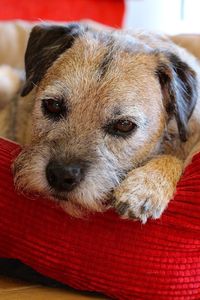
(120, 258)
(109, 12)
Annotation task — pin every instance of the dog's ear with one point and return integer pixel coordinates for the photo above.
(179, 89)
(45, 44)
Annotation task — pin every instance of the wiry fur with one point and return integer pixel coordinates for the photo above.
(104, 76)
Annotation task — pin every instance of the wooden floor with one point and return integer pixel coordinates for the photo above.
(20, 282)
(12, 289)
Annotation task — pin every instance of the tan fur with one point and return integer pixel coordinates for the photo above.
(152, 184)
(144, 169)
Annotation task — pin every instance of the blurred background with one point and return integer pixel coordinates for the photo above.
(170, 16)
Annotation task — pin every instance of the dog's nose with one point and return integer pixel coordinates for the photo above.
(64, 177)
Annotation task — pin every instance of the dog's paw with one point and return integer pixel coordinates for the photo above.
(142, 195)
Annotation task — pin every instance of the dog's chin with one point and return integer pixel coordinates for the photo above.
(80, 208)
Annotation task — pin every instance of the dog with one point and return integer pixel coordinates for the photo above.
(109, 118)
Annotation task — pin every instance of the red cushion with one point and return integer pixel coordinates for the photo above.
(109, 12)
(121, 258)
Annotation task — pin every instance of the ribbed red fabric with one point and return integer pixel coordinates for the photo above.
(120, 258)
(109, 12)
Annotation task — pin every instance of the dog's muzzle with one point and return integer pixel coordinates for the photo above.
(64, 177)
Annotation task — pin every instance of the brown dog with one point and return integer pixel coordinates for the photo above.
(115, 115)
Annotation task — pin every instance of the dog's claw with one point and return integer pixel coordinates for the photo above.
(122, 207)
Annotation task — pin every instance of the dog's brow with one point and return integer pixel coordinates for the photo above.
(117, 112)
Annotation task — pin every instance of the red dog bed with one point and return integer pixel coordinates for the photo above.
(120, 258)
(109, 12)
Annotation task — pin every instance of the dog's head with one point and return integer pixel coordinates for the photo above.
(103, 101)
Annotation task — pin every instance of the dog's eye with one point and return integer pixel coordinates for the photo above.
(121, 128)
(54, 109)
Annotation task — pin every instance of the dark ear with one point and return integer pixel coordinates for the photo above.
(45, 44)
(179, 88)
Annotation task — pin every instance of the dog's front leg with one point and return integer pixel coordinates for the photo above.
(147, 190)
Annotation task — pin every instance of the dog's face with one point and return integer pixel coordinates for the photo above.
(99, 112)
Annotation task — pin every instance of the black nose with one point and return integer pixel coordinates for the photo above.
(62, 176)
